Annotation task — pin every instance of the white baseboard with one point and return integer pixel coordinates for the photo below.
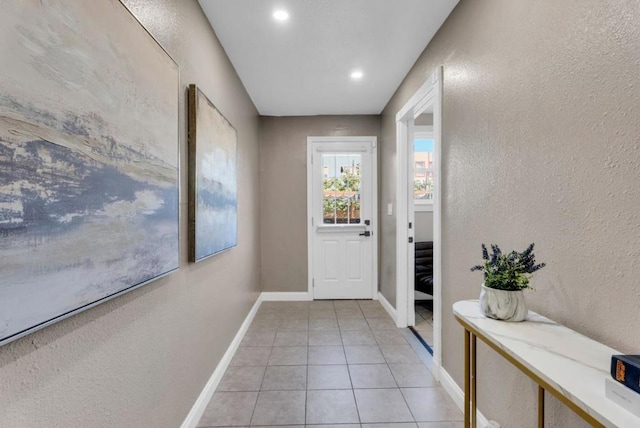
(192, 419)
(387, 306)
(457, 395)
(273, 296)
(437, 367)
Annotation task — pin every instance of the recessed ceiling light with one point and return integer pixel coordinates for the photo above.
(356, 75)
(281, 15)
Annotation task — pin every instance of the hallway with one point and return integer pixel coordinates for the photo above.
(329, 362)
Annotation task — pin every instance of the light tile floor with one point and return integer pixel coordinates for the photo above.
(424, 322)
(329, 363)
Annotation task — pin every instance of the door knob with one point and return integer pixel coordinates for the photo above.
(365, 233)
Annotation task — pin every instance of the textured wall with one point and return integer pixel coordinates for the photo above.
(541, 142)
(142, 359)
(283, 191)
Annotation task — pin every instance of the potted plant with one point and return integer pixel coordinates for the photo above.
(506, 275)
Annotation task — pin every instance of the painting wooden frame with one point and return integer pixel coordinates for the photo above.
(89, 160)
(213, 183)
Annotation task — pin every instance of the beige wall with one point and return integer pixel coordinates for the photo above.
(142, 359)
(425, 119)
(283, 191)
(424, 226)
(541, 143)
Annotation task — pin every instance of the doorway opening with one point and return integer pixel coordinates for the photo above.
(418, 215)
(421, 155)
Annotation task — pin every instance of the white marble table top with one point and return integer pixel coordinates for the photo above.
(573, 364)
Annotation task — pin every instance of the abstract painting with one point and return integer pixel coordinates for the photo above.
(213, 194)
(88, 159)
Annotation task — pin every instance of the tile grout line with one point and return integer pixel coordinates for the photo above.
(353, 392)
(253, 411)
(306, 392)
(263, 375)
(342, 346)
(306, 397)
(408, 407)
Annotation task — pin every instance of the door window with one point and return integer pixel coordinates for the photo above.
(341, 177)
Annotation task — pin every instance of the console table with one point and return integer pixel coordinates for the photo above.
(562, 362)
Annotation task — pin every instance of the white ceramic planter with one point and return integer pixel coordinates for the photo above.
(503, 305)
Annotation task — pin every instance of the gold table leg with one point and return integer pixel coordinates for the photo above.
(540, 407)
(467, 384)
(473, 381)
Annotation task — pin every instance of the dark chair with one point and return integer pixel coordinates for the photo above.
(424, 267)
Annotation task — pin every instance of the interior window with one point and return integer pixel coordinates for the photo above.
(341, 188)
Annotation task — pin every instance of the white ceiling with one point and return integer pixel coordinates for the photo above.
(302, 66)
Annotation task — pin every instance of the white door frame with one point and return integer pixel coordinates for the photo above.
(374, 209)
(428, 95)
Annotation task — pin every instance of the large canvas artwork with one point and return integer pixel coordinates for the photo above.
(88, 159)
(213, 217)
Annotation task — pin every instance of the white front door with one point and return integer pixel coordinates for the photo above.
(342, 221)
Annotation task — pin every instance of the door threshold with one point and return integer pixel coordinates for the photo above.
(425, 344)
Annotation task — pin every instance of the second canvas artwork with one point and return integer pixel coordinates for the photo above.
(213, 189)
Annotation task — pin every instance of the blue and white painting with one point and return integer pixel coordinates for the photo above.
(216, 189)
(88, 159)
